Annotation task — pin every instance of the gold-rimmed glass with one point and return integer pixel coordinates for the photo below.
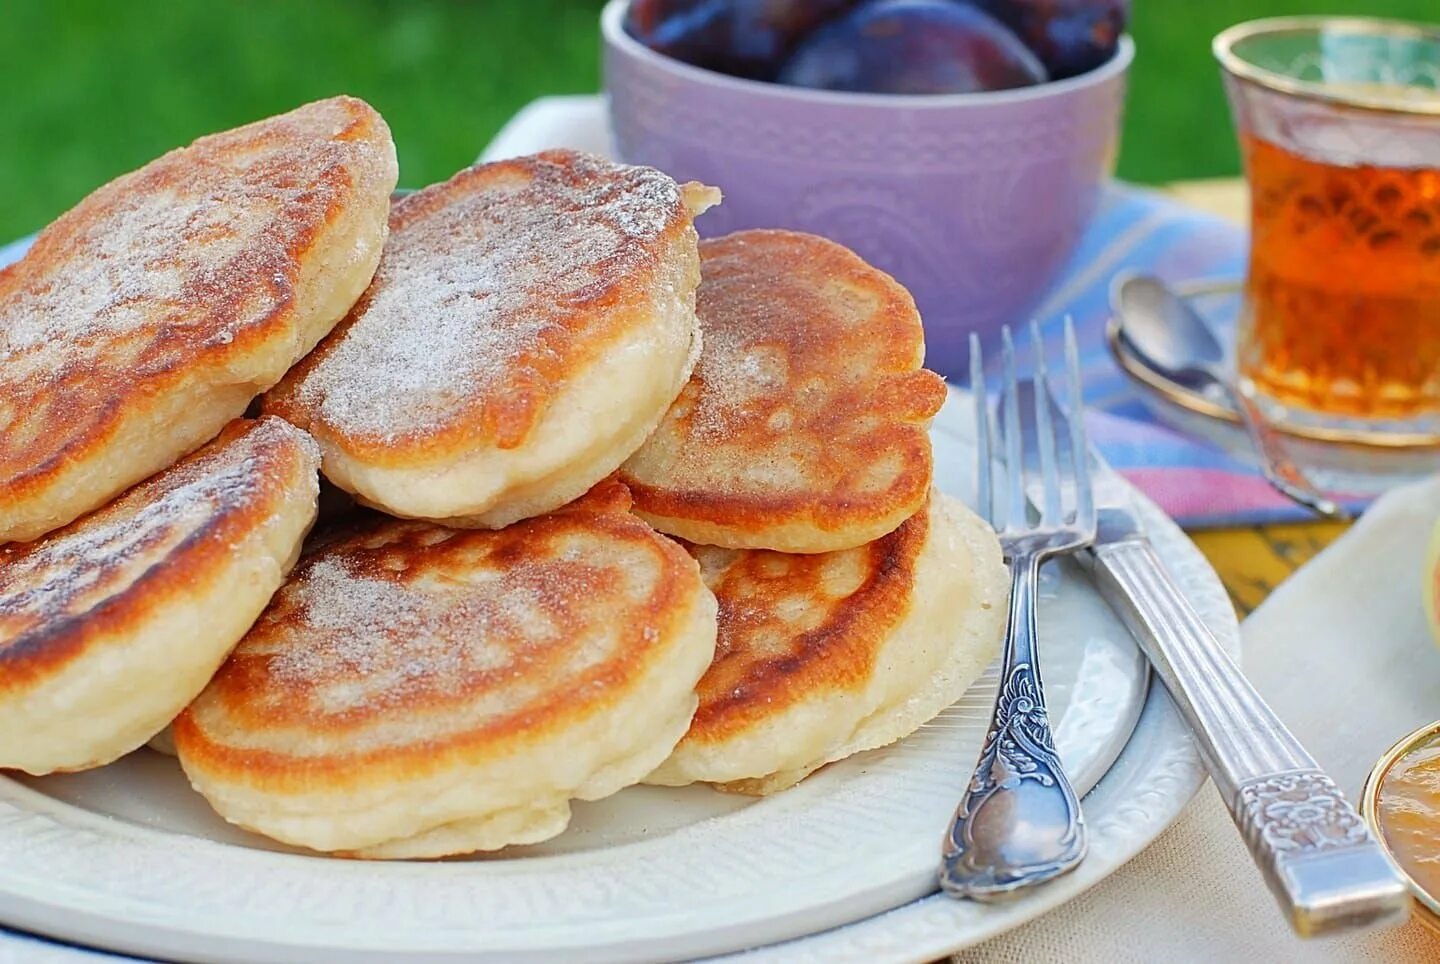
(1339, 124)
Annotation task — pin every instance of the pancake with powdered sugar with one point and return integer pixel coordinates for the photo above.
(110, 625)
(417, 691)
(804, 427)
(154, 311)
(823, 655)
(530, 322)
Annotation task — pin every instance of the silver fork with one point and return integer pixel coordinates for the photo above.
(1019, 823)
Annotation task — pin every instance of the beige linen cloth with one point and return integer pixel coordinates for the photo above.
(1342, 653)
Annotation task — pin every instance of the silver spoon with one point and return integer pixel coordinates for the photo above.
(1168, 334)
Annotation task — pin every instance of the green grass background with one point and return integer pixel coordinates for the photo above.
(92, 88)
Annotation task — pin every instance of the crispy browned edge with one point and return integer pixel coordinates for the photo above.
(835, 656)
(193, 562)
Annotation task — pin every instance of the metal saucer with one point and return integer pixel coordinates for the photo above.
(1343, 460)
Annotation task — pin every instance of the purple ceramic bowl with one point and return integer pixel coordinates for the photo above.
(973, 201)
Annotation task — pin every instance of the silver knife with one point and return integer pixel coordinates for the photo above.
(1319, 859)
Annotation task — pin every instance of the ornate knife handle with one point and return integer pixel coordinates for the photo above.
(1319, 859)
(1019, 823)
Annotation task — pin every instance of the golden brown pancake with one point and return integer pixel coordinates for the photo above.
(803, 428)
(109, 626)
(416, 691)
(529, 324)
(821, 656)
(150, 314)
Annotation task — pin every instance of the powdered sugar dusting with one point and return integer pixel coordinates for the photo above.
(181, 240)
(377, 637)
(371, 627)
(177, 257)
(731, 374)
(487, 285)
(76, 569)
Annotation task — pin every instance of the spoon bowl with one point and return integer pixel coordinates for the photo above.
(1165, 330)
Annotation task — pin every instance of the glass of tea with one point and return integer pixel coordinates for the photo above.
(1339, 125)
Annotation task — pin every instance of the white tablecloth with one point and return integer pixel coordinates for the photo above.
(1342, 653)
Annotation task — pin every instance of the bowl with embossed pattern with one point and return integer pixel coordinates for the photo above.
(975, 202)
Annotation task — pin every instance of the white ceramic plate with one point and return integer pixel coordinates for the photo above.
(128, 857)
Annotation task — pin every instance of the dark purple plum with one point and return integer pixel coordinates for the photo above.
(1069, 36)
(913, 47)
(745, 38)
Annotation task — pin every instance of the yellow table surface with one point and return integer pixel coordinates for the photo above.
(1251, 560)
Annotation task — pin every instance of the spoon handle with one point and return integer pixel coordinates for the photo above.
(1275, 462)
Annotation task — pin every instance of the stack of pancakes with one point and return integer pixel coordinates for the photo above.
(621, 506)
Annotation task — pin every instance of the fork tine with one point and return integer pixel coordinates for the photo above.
(1084, 499)
(1014, 466)
(1045, 435)
(983, 501)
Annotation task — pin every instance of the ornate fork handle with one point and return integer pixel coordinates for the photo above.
(1019, 822)
(1319, 859)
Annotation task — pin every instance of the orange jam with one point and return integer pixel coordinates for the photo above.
(1409, 814)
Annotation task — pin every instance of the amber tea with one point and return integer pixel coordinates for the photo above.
(1343, 294)
(1339, 122)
